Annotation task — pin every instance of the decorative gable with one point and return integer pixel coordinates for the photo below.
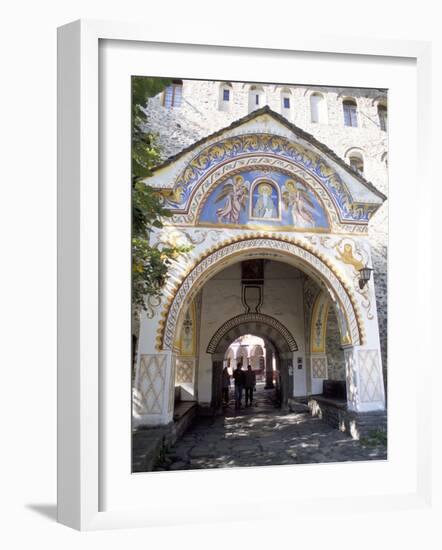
(263, 172)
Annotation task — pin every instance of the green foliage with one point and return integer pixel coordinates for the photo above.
(149, 269)
(149, 264)
(147, 210)
(374, 438)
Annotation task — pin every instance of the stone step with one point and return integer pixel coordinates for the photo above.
(182, 408)
(149, 443)
(145, 452)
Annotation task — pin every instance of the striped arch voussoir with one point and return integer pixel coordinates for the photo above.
(249, 319)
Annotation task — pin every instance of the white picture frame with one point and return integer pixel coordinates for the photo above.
(80, 362)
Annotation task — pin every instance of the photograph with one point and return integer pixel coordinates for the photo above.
(259, 274)
(222, 274)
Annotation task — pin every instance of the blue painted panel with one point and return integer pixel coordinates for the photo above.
(253, 199)
(230, 148)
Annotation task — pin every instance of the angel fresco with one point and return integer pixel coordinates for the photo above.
(235, 192)
(297, 199)
(343, 326)
(347, 257)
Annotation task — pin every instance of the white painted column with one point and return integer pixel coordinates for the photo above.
(363, 363)
(365, 384)
(154, 384)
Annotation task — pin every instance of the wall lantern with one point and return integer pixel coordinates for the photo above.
(364, 276)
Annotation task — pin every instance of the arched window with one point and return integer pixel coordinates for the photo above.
(356, 161)
(172, 95)
(382, 115)
(350, 112)
(225, 96)
(286, 103)
(318, 108)
(256, 98)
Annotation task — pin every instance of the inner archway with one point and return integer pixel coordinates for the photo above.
(275, 315)
(282, 345)
(247, 350)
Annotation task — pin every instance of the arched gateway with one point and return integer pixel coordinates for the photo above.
(270, 330)
(278, 229)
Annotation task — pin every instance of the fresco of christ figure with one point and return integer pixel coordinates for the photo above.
(264, 206)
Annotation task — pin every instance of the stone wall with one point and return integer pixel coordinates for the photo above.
(201, 113)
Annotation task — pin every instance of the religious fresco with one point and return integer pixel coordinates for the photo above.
(264, 201)
(186, 344)
(235, 147)
(233, 195)
(250, 199)
(346, 256)
(319, 323)
(300, 201)
(343, 325)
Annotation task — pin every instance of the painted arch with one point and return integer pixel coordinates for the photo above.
(280, 248)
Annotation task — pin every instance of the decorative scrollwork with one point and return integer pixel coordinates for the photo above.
(198, 236)
(152, 303)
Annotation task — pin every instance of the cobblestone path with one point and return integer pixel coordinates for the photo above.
(262, 435)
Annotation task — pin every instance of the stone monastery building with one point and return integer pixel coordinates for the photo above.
(281, 192)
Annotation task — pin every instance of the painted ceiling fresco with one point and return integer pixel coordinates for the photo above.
(252, 198)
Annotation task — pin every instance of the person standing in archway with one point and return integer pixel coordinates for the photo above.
(238, 376)
(249, 383)
(226, 385)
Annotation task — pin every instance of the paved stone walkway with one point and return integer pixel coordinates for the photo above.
(262, 435)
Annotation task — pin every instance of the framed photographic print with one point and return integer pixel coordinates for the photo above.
(229, 221)
(265, 248)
